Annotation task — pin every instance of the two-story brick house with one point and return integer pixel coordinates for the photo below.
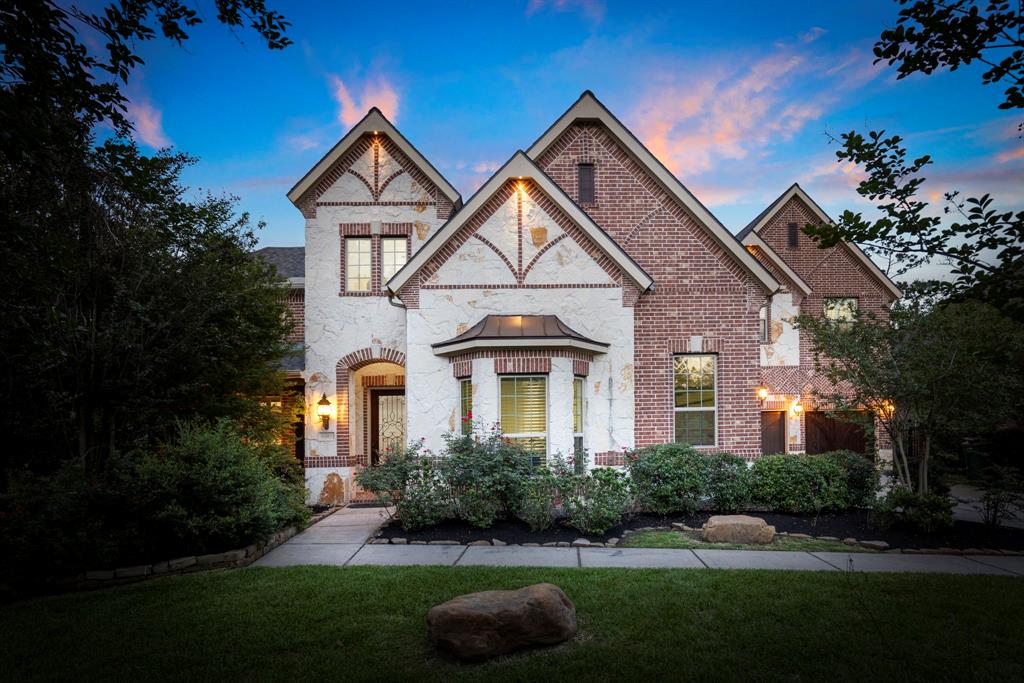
(581, 298)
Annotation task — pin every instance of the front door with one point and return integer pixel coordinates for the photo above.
(387, 421)
(773, 432)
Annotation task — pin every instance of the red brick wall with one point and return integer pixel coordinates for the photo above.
(698, 290)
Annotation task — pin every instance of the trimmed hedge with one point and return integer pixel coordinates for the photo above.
(669, 478)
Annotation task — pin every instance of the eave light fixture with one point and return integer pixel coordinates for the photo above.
(323, 411)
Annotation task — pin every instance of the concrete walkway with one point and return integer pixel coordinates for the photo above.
(340, 540)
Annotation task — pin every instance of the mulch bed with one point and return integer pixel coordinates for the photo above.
(854, 523)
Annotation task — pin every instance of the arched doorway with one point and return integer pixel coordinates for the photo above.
(373, 419)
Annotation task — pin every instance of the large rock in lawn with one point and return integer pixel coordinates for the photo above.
(738, 529)
(478, 626)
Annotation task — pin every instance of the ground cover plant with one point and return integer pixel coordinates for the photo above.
(369, 624)
(691, 540)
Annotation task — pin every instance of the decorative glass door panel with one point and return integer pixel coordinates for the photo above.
(387, 428)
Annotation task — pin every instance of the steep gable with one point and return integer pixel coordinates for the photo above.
(374, 164)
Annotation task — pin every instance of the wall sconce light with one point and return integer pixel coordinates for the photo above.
(887, 408)
(323, 411)
(796, 408)
(762, 393)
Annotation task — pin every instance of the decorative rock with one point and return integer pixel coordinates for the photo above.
(612, 542)
(417, 542)
(679, 526)
(690, 528)
(874, 545)
(445, 543)
(495, 541)
(129, 572)
(951, 551)
(595, 544)
(399, 541)
(911, 551)
(563, 544)
(550, 544)
(100, 575)
(980, 551)
(220, 558)
(530, 545)
(1011, 552)
(850, 541)
(833, 539)
(581, 542)
(800, 536)
(738, 529)
(479, 543)
(251, 550)
(894, 550)
(479, 626)
(181, 563)
(160, 568)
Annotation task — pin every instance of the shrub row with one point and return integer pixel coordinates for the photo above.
(479, 480)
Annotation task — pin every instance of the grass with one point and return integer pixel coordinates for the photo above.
(367, 623)
(681, 539)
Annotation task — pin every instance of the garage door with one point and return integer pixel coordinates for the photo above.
(826, 433)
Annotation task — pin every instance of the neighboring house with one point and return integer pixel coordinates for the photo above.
(581, 298)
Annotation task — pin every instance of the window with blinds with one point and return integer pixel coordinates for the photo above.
(577, 415)
(392, 257)
(696, 402)
(524, 414)
(357, 264)
(466, 405)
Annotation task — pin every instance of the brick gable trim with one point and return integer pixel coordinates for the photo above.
(497, 190)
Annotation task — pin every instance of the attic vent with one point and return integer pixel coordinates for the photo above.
(585, 179)
(792, 235)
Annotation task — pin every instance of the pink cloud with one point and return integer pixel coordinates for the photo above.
(148, 122)
(377, 92)
(1010, 155)
(591, 9)
(486, 166)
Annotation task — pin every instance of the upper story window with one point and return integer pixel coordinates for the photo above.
(466, 405)
(577, 415)
(585, 180)
(841, 310)
(524, 414)
(762, 325)
(392, 257)
(793, 235)
(696, 399)
(358, 254)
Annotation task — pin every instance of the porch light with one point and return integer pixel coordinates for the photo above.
(762, 393)
(796, 408)
(323, 411)
(887, 408)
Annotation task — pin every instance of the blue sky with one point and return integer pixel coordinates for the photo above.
(735, 98)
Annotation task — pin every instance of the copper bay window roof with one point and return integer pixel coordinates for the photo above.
(517, 332)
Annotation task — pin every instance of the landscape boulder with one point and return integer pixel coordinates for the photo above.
(479, 626)
(738, 529)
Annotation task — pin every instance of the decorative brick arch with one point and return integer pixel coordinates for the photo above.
(350, 363)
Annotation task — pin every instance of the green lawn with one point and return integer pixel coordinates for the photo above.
(681, 539)
(343, 624)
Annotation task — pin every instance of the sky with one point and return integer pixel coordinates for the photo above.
(739, 100)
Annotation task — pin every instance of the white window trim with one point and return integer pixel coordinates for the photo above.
(714, 359)
(547, 414)
(461, 414)
(348, 277)
(583, 412)
(405, 253)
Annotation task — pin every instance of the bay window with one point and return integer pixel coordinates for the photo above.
(466, 405)
(577, 415)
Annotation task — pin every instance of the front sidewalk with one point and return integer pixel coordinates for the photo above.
(340, 540)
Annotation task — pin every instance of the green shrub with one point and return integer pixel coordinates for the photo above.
(597, 501)
(798, 483)
(928, 513)
(728, 482)
(861, 476)
(211, 490)
(537, 500)
(485, 477)
(669, 478)
(409, 481)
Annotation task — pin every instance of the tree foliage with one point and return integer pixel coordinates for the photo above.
(934, 34)
(926, 373)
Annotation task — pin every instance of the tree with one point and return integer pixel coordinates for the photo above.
(927, 374)
(983, 246)
(935, 34)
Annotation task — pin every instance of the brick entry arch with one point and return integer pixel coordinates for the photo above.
(350, 363)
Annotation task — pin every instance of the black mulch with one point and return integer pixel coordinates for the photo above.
(855, 523)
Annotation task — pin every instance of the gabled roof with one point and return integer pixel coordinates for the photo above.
(795, 190)
(373, 122)
(589, 108)
(522, 167)
(754, 240)
(519, 331)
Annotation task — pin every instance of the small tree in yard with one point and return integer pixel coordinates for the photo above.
(946, 371)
